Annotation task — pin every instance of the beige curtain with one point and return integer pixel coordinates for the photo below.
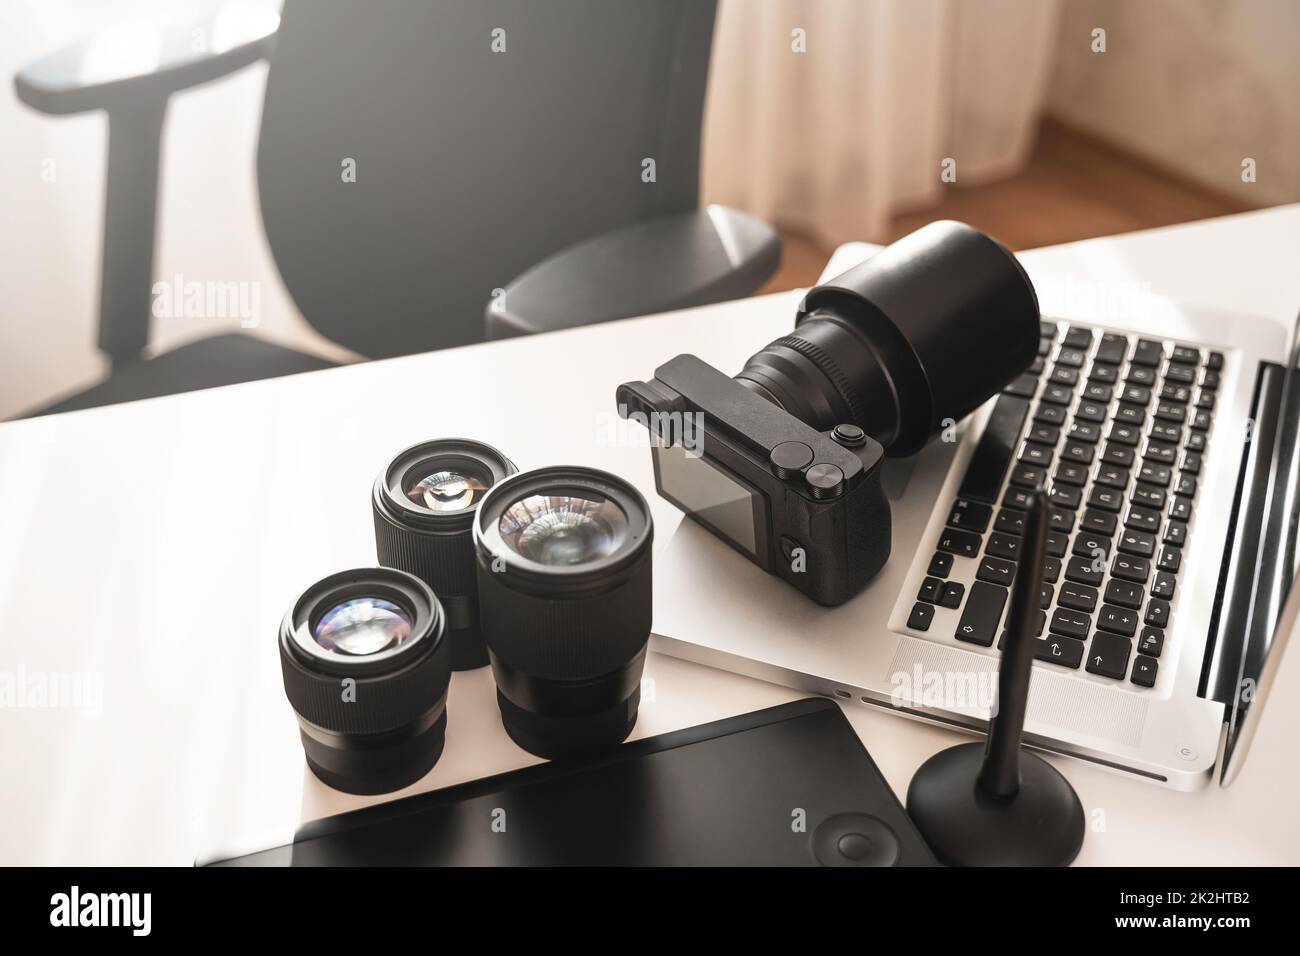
(828, 116)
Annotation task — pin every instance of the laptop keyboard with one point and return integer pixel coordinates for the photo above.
(1116, 427)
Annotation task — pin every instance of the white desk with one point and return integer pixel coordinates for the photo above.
(157, 545)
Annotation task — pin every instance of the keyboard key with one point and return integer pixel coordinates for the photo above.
(1180, 375)
(1154, 474)
(1070, 623)
(1130, 414)
(1059, 650)
(1148, 496)
(1028, 476)
(1010, 521)
(1209, 380)
(1113, 349)
(1077, 337)
(1122, 434)
(1119, 455)
(988, 465)
(1044, 434)
(1063, 375)
(1069, 473)
(1050, 414)
(1045, 595)
(1175, 534)
(1044, 347)
(1139, 543)
(1151, 642)
(921, 616)
(1022, 387)
(1170, 559)
(1088, 545)
(930, 588)
(964, 543)
(1090, 411)
(1098, 392)
(1052, 570)
(940, 565)
(1180, 508)
(1107, 499)
(952, 593)
(1163, 431)
(1129, 567)
(1004, 545)
(1124, 594)
(1085, 432)
(1170, 412)
(1047, 329)
(1136, 395)
(1083, 571)
(1077, 452)
(1157, 614)
(1032, 453)
(1215, 361)
(1185, 355)
(1058, 394)
(1142, 519)
(1173, 392)
(1103, 522)
(1163, 586)
(996, 570)
(1161, 453)
(1148, 353)
(1195, 441)
(1065, 496)
(1057, 544)
(1191, 463)
(1073, 358)
(1144, 671)
(979, 621)
(1078, 597)
(1108, 655)
(1117, 620)
(970, 515)
(1105, 374)
(1200, 421)
(1141, 375)
(1205, 400)
(1186, 485)
(1016, 498)
(1113, 476)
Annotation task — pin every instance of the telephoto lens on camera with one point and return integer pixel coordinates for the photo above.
(564, 576)
(366, 667)
(424, 503)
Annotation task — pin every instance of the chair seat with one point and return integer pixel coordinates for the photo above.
(220, 360)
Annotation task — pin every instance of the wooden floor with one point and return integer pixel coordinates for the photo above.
(1075, 187)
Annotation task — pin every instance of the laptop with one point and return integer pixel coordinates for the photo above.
(1167, 435)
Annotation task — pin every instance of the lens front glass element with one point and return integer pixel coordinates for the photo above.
(447, 490)
(363, 625)
(563, 529)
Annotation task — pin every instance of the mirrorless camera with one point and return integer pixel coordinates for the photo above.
(783, 460)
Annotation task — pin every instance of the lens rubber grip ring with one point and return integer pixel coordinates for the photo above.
(569, 638)
(445, 562)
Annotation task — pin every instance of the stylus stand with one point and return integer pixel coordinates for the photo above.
(996, 804)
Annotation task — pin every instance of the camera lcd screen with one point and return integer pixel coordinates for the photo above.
(702, 490)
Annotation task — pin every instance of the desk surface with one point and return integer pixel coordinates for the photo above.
(150, 550)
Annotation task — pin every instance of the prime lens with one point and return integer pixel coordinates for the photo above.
(424, 503)
(924, 331)
(564, 578)
(366, 668)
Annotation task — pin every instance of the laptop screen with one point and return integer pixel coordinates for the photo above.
(1275, 601)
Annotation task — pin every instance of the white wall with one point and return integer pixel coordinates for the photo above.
(1194, 85)
(208, 219)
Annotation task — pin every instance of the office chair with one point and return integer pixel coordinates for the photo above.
(420, 163)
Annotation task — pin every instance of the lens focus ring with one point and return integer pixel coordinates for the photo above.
(375, 703)
(570, 638)
(447, 559)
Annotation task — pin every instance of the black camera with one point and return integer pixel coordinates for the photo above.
(783, 461)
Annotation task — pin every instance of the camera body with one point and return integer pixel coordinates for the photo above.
(804, 505)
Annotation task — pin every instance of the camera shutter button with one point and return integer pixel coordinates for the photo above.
(850, 436)
(789, 458)
(824, 481)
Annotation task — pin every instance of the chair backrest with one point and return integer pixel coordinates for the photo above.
(482, 136)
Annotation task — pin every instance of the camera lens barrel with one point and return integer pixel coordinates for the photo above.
(564, 577)
(927, 329)
(366, 668)
(424, 503)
